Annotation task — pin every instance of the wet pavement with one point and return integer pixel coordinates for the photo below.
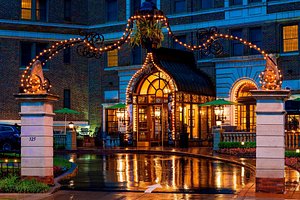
(244, 193)
(136, 172)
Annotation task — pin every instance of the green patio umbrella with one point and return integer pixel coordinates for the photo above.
(297, 99)
(117, 106)
(66, 111)
(218, 102)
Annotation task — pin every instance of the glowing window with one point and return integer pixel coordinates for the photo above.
(112, 58)
(290, 38)
(26, 9)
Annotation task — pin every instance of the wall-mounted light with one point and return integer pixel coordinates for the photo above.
(157, 113)
(71, 125)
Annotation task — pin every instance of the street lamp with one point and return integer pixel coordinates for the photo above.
(219, 112)
(71, 125)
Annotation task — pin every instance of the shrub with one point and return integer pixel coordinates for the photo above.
(14, 184)
(291, 154)
(226, 145)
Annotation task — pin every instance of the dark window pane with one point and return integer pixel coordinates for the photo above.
(137, 55)
(40, 47)
(179, 6)
(67, 98)
(41, 10)
(67, 10)
(112, 10)
(136, 4)
(252, 1)
(206, 4)
(237, 47)
(255, 38)
(67, 55)
(236, 2)
(26, 56)
(176, 45)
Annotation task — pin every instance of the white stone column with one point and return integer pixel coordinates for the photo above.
(37, 136)
(270, 147)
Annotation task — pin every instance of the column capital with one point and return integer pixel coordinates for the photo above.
(271, 94)
(45, 97)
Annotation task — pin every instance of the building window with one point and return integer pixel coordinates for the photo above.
(255, 37)
(29, 50)
(112, 58)
(111, 95)
(67, 10)
(179, 6)
(290, 38)
(112, 10)
(136, 55)
(236, 2)
(67, 55)
(176, 45)
(26, 9)
(254, 1)
(40, 12)
(207, 4)
(67, 98)
(237, 47)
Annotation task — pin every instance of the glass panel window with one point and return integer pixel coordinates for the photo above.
(255, 38)
(26, 53)
(136, 55)
(67, 10)
(179, 6)
(26, 9)
(41, 14)
(254, 1)
(67, 55)
(111, 95)
(112, 58)
(290, 38)
(112, 10)
(207, 4)
(237, 47)
(112, 121)
(67, 98)
(236, 2)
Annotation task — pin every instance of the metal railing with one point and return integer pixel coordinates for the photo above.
(238, 137)
(8, 168)
(59, 141)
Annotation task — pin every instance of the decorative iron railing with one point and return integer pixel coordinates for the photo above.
(59, 141)
(10, 167)
(238, 137)
(292, 139)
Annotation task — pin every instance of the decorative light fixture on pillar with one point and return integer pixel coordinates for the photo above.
(219, 112)
(120, 114)
(71, 125)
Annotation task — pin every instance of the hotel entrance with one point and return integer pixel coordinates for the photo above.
(152, 109)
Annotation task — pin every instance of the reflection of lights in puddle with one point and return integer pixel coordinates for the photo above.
(243, 175)
(71, 183)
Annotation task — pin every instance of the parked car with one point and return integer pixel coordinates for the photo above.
(10, 137)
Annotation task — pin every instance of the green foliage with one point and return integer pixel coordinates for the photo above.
(62, 163)
(290, 154)
(228, 145)
(146, 30)
(13, 184)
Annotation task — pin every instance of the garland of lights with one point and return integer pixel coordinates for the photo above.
(92, 45)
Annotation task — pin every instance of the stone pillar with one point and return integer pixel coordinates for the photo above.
(37, 136)
(217, 133)
(270, 147)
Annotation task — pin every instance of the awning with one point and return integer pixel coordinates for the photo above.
(117, 106)
(181, 66)
(218, 102)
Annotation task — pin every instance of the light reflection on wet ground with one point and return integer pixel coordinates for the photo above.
(135, 172)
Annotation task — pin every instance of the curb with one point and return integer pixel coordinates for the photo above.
(68, 174)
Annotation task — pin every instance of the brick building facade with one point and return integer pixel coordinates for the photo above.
(93, 85)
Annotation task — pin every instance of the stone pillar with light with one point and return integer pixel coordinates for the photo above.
(270, 122)
(71, 138)
(37, 136)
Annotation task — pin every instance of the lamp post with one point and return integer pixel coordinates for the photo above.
(71, 125)
(219, 112)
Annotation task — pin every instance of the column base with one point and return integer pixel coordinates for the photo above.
(270, 185)
(49, 180)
